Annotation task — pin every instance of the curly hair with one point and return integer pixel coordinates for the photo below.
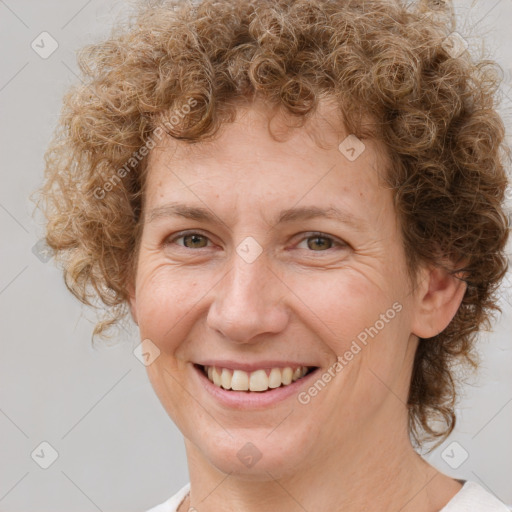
(180, 67)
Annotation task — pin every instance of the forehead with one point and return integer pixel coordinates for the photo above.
(260, 155)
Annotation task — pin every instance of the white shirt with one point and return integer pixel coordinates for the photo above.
(471, 498)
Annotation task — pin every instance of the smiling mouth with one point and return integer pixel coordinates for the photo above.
(259, 380)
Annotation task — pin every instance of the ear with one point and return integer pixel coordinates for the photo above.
(132, 301)
(439, 296)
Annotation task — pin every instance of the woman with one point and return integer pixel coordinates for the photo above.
(300, 203)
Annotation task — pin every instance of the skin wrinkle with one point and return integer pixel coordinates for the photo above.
(430, 186)
(447, 179)
(366, 403)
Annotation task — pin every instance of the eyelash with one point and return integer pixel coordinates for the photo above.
(313, 234)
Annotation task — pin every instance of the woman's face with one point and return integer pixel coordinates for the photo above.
(231, 274)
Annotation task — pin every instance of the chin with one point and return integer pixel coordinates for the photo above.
(257, 454)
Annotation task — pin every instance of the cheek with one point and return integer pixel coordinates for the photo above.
(362, 320)
(165, 303)
(341, 304)
(365, 327)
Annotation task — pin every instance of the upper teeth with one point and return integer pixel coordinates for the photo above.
(258, 380)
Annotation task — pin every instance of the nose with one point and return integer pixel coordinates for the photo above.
(248, 302)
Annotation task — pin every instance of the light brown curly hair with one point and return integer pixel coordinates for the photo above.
(380, 59)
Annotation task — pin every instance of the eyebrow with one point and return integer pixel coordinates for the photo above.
(295, 214)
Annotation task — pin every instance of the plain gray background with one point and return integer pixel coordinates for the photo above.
(117, 448)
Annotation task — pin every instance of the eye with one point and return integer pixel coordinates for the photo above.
(322, 242)
(316, 242)
(194, 239)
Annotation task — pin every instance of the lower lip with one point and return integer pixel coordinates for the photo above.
(252, 399)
